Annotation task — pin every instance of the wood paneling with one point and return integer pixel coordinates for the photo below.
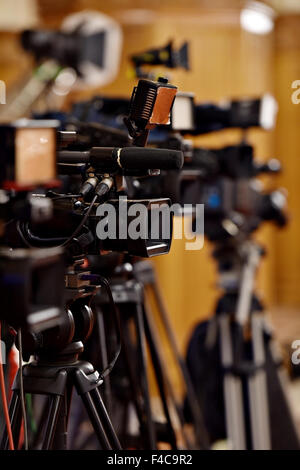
(225, 62)
(13, 62)
(287, 69)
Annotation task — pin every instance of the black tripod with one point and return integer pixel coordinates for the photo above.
(55, 372)
(128, 284)
(145, 274)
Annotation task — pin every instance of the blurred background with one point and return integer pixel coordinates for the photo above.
(232, 55)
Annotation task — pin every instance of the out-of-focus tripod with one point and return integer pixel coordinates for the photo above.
(145, 274)
(252, 380)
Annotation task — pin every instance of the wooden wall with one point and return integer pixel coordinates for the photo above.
(225, 62)
(287, 69)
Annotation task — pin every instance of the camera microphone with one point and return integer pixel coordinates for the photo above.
(127, 158)
(139, 158)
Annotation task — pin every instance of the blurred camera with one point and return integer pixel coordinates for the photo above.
(28, 154)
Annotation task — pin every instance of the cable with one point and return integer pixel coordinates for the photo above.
(36, 241)
(69, 239)
(83, 221)
(20, 232)
(102, 189)
(22, 395)
(65, 196)
(9, 222)
(4, 400)
(104, 283)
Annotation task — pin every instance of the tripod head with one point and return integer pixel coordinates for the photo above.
(65, 339)
(231, 257)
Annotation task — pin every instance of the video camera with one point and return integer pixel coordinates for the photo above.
(88, 42)
(166, 56)
(190, 118)
(28, 164)
(227, 185)
(103, 174)
(84, 52)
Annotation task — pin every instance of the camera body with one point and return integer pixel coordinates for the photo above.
(191, 118)
(25, 277)
(28, 154)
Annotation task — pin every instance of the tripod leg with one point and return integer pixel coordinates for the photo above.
(104, 357)
(106, 422)
(142, 355)
(160, 368)
(233, 393)
(95, 420)
(53, 414)
(233, 398)
(77, 416)
(257, 384)
(125, 418)
(15, 415)
(133, 381)
(43, 418)
(198, 421)
(260, 428)
(160, 379)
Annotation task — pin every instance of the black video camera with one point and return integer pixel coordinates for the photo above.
(28, 165)
(104, 174)
(190, 118)
(167, 56)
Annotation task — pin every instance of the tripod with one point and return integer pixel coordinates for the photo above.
(144, 272)
(55, 373)
(246, 358)
(128, 284)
